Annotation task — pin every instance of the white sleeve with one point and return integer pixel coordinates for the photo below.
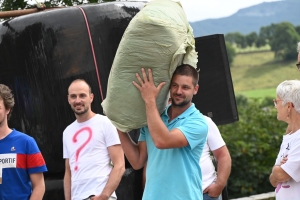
(111, 134)
(292, 166)
(214, 138)
(65, 150)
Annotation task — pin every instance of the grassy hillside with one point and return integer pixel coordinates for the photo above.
(258, 74)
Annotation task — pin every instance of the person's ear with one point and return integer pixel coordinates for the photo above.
(91, 97)
(196, 89)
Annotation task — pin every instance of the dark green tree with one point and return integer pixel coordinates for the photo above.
(230, 37)
(230, 52)
(283, 41)
(251, 38)
(6, 5)
(266, 34)
(260, 42)
(236, 38)
(297, 28)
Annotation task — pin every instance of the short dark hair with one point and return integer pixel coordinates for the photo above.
(78, 80)
(8, 98)
(187, 70)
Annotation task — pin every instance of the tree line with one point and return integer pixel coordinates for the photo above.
(282, 38)
(7, 5)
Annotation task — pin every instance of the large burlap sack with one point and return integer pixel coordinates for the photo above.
(158, 37)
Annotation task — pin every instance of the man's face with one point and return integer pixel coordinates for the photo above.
(3, 113)
(182, 90)
(80, 97)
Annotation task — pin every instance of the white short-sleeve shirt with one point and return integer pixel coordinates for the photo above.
(85, 145)
(214, 141)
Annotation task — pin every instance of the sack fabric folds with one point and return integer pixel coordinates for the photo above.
(158, 37)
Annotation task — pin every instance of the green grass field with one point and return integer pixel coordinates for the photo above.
(259, 93)
(258, 74)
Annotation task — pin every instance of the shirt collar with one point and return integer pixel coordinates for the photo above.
(186, 113)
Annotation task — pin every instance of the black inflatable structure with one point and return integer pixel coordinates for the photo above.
(41, 53)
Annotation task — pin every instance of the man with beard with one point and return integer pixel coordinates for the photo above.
(172, 142)
(91, 146)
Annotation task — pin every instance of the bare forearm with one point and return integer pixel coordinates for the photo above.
(158, 130)
(67, 187)
(38, 192)
(38, 186)
(224, 168)
(131, 150)
(279, 174)
(113, 181)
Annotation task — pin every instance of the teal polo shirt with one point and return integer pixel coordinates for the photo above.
(175, 173)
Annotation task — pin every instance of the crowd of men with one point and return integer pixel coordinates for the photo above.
(176, 146)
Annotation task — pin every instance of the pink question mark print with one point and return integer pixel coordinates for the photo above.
(84, 144)
(278, 187)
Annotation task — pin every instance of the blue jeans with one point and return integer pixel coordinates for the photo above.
(207, 197)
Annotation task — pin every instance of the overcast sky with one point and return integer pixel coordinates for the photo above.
(197, 10)
(209, 9)
(206, 9)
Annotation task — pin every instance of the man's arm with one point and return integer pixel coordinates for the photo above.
(67, 180)
(144, 175)
(224, 167)
(278, 175)
(161, 136)
(117, 157)
(135, 153)
(38, 186)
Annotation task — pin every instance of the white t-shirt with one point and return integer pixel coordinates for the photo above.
(214, 141)
(85, 145)
(290, 146)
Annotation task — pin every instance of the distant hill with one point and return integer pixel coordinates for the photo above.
(251, 19)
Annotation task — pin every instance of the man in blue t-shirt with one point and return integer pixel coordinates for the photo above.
(173, 142)
(21, 162)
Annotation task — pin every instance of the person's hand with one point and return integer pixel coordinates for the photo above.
(147, 88)
(284, 159)
(214, 190)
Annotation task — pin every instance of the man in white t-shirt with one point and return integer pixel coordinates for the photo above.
(213, 183)
(91, 146)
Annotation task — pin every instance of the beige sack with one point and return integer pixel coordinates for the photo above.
(158, 37)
